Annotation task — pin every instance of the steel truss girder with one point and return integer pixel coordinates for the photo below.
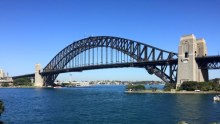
(208, 62)
(210, 65)
(139, 51)
(213, 65)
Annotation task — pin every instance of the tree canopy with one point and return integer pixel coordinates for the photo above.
(203, 86)
(22, 82)
(135, 87)
(169, 86)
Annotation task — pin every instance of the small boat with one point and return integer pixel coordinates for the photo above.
(216, 98)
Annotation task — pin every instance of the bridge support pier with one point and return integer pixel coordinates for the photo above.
(188, 69)
(38, 77)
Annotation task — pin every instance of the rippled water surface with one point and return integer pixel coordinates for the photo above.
(105, 105)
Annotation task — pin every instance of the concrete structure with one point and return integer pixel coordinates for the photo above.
(38, 77)
(82, 84)
(1, 74)
(5, 79)
(188, 70)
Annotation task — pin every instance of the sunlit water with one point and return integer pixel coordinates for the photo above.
(105, 105)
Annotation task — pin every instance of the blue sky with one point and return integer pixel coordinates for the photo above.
(34, 31)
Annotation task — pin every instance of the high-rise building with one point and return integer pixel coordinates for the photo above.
(1, 73)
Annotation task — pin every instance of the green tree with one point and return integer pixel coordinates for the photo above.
(217, 88)
(189, 86)
(154, 89)
(203, 86)
(135, 87)
(169, 86)
(5, 85)
(22, 82)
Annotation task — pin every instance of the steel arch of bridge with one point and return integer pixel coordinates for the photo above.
(140, 52)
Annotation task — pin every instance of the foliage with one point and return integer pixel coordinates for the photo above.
(139, 82)
(189, 86)
(5, 85)
(135, 87)
(203, 86)
(217, 88)
(22, 82)
(154, 89)
(169, 86)
(2, 108)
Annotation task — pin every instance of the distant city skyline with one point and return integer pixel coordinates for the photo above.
(35, 31)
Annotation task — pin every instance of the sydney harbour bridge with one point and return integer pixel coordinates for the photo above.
(101, 52)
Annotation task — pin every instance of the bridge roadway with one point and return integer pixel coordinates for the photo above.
(208, 62)
(208, 59)
(104, 66)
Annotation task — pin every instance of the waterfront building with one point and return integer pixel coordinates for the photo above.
(1, 73)
(81, 83)
(5, 79)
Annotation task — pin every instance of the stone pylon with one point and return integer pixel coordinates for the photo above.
(38, 77)
(188, 69)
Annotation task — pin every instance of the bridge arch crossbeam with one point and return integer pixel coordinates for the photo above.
(136, 50)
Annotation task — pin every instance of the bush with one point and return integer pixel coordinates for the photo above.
(154, 89)
(135, 87)
(189, 86)
(169, 86)
(217, 88)
(5, 85)
(203, 86)
(22, 82)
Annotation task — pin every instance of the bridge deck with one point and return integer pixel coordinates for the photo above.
(204, 60)
(23, 76)
(118, 65)
(209, 62)
(104, 66)
(208, 59)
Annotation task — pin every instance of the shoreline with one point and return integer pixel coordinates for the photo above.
(133, 92)
(22, 87)
(171, 92)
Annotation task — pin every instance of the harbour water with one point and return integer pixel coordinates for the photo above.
(105, 105)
